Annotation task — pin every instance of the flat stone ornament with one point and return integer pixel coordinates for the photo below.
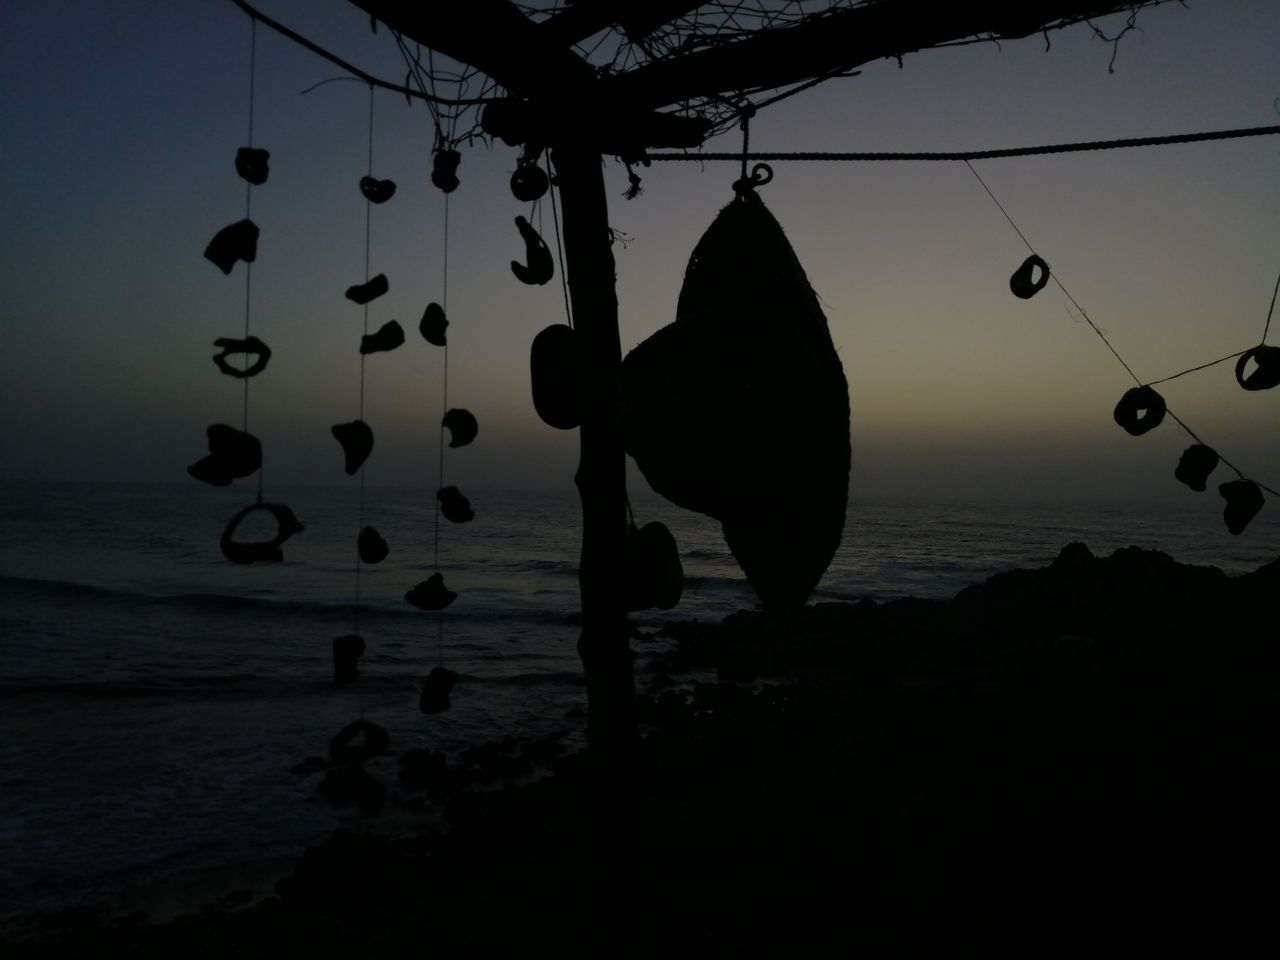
(1021, 283)
(389, 336)
(238, 241)
(1266, 372)
(740, 409)
(362, 293)
(455, 507)
(1140, 409)
(232, 454)
(250, 346)
(539, 266)
(347, 651)
(371, 547)
(260, 551)
(377, 191)
(433, 325)
(435, 690)
(356, 438)
(252, 165)
(1195, 465)
(1244, 500)
(431, 594)
(462, 426)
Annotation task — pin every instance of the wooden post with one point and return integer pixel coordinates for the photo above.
(604, 644)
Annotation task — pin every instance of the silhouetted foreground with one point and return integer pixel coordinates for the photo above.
(1077, 760)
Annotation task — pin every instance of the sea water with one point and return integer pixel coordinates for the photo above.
(154, 697)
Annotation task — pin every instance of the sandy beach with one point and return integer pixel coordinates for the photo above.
(1073, 761)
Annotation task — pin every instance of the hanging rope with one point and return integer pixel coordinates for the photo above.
(1270, 310)
(825, 157)
(1054, 276)
(444, 407)
(555, 216)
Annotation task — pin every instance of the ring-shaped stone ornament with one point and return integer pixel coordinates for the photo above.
(1139, 410)
(260, 551)
(1267, 372)
(343, 750)
(249, 345)
(1021, 283)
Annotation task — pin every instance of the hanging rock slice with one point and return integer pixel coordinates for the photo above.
(1266, 373)
(540, 267)
(1244, 500)
(251, 164)
(1021, 284)
(1139, 410)
(431, 594)
(249, 345)
(462, 426)
(238, 241)
(435, 690)
(433, 324)
(232, 454)
(260, 551)
(555, 375)
(347, 651)
(529, 182)
(455, 507)
(444, 169)
(374, 741)
(357, 443)
(389, 336)
(655, 577)
(740, 409)
(371, 547)
(363, 293)
(377, 191)
(1195, 465)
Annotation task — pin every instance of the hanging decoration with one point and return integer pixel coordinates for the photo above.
(236, 453)
(260, 551)
(1142, 409)
(365, 293)
(1021, 283)
(529, 183)
(462, 426)
(389, 336)
(444, 169)
(347, 651)
(435, 690)
(248, 345)
(356, 438)
(654, 574)
(748, 363)
(555, 376)
(433, 325)
(539, 267)
(377, 191)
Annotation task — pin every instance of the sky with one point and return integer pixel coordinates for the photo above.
(121, 122)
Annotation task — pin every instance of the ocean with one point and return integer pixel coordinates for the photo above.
(155, 697)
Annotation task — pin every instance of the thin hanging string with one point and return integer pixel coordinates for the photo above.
(1169, 413)
(746, 138)
(248, 215)
(555, 216)
(1270, 310)
(1053, 275)
(444, 408)
(368, 243)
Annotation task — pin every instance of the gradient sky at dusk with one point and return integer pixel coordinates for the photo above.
(121, 122)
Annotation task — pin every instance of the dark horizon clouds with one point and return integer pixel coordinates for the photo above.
(122, 122)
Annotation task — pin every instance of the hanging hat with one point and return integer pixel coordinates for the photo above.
(1195, 465)
(347, 651)
(1266, 374)
(260, 551)
(232, 453)
(248, 345)
(462, 426)
(740, 409)
(377, 191)
(389, 336)
(555, 374)
(357, 443)
(371, 547)
(362, 293)
(431, 594)
(654, 577)
(540, 267)
(1139, 410)
(433, 324)
(455, 507)
(1244, 500)
(251, 164)
(239, 241)
(435, 690)
(1020, 283)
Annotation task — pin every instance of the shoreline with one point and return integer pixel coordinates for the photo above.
(1082, 748)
